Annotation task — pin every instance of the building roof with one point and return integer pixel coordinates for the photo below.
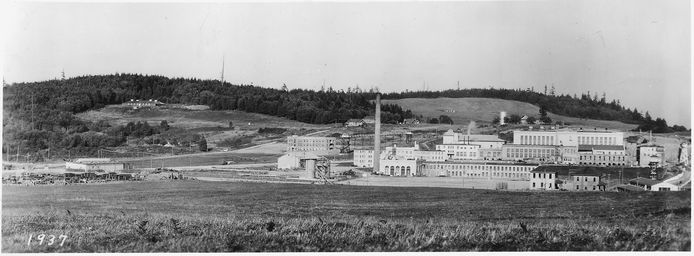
(369, 117)
(355, 120)
(614, 172)
(480, 137)
(484, 163)
(407, 120)
(630, 187)
(644, 181)
(649, 146)
(599, 147)
(303, 155)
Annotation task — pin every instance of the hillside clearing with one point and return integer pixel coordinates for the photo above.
(190, 119)
(485, 109)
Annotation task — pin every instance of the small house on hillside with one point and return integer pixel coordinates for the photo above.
(524, 120)
(354, 123)
(411, 121)
(369, 119)
(135, 104)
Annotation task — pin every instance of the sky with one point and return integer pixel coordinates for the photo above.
(636, 51)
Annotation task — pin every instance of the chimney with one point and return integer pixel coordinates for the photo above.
(377, 135)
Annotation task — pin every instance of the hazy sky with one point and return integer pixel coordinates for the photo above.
(635, 51)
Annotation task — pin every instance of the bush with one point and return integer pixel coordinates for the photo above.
(271, 130)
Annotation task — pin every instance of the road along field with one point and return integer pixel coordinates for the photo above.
(199, 216)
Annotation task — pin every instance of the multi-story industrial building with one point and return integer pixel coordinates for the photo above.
(568, 138)
(602, 155)
(567, 147)
(484, 141)
(540, 153)
(583, 182)
(647, 155)
(316, 145)
(364, 157)
(460, 151)
(543, 180)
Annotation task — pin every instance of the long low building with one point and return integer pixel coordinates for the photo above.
(97, 164)
(492, 170)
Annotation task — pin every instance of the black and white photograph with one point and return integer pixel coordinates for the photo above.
(485, 126)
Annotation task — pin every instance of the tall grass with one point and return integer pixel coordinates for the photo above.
(228, 217)
(147, 233)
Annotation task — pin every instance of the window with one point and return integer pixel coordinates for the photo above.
(577, 188)
(594, 179)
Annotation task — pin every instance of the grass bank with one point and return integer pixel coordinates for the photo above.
(228, 216)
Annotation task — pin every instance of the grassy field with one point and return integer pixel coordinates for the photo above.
(204, 159)
(191, 119)
(224, 216)
(485, 109)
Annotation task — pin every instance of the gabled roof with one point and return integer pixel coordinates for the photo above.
(630, 187)
(644, 181)
(599, 147)
(650, 146)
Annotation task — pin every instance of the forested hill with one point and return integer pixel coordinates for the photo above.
(584, 106)
(55, 98)
(74, 95)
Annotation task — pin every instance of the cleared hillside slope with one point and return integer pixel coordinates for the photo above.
(485, 109)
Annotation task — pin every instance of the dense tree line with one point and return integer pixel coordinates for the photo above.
(56, 99)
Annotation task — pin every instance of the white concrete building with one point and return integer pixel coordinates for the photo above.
(602, 155)
(484, 141)
(293, 160)
(97, 164)
(489, 170)
(650, 154)
(568, 138)
(364, 157)
(460, 151)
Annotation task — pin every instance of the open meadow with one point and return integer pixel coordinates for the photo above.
(485, 109)
(200, 216)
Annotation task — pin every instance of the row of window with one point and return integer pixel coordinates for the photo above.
(602, 158)
(481, 167)
(584, 140)
(537, 140)
(595, 179)
(542, 185)
(484, 174)
(542, 175)
(399, 170)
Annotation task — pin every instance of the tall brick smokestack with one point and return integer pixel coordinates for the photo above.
(377, 135)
